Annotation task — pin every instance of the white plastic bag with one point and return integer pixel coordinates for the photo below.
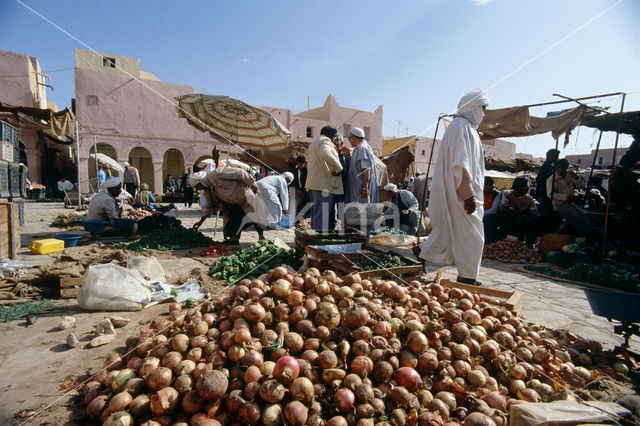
(564, 413)
(149, 268)
(392, 240)
(110, 287)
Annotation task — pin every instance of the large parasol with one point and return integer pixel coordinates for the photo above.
(107, 161)
(233, 120)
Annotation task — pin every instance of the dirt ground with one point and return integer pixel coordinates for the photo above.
(35, 362)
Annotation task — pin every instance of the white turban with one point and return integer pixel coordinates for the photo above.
(288, 176)
(470, 106)
(390, 187)
(112, 182)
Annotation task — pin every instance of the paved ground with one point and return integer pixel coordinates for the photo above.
(28, 352)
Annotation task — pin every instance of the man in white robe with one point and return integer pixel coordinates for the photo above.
(274, 191)
(455, 204)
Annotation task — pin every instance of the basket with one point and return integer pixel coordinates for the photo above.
(125, 223)
(94, 225)
(358, 215)
(70, 240)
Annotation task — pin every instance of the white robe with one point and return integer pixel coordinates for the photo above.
(457, 236)
(275, 194)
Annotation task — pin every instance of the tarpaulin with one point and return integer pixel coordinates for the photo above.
(516, 121)
(58, 123)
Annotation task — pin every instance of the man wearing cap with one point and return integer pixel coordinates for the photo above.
(455, 203)
(362, 181)
(323, 179)
(131, 178)
(403, 210)
(274, 191)
(299, 173)
(544, 172)
(236, 193)
(103, 206)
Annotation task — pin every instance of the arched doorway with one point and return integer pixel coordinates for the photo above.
(141, 159)
(172, 164)
(103, 148)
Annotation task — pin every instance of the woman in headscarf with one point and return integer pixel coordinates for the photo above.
(455, 205)
(144, 197)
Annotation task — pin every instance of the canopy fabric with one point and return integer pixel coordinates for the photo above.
(233, 120)
(610, 122)
(516, 121)
(58, 123)
(398, 163)
(107, 161)
(511, 165)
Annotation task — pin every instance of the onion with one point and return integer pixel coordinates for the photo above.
(409, 378)
(236, 353)
(163, 401)
(302, 390)
(192, 402)
(119, 418)
(364, 393)
(271, 391)
(417, 342)
(362, 365)
(96, 405)
(327, 315)
(296, 413)
(121, 379)
(496, 400)
(293, 342)
(250, 411)
(282, 288)
(272, 415)
(337, 421)
(477, 378)
(140, 405)
(180, 343)
(344, 399)
(286, 369)
(438, 406)
(478, 419)
(356, 316)
(212, 385)
(183, 384)
(171, 360)
(528, 395)
(255, 312)
(159, 378)
(384, 329)
(327, 359)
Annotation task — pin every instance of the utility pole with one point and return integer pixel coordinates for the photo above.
(406, 131)
(399, 124)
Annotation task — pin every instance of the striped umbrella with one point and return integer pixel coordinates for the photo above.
(233, 120)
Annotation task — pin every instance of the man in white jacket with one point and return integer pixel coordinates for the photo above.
(323, 179)
(455, 205)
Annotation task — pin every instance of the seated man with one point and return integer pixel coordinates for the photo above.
(169, 185)
(491, 203)
(144, 197)
(237, 194)
(517, 212)
(561, 186)
(403, 206)
(103, 206)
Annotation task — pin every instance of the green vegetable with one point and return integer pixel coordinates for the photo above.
(191, 303)
(252, 261)
(384, 261)
(171, 239)
(389, 230)
(174, 292)
(604, 275)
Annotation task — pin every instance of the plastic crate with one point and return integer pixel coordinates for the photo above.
(8, 133)
(6, 151)
(4, 179)
(14, 179)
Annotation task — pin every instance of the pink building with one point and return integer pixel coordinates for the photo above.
(132, 116)
(22, 83)
(604, 160)
(305, 126)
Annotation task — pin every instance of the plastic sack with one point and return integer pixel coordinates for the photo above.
(392, 240)
(564, 412)
(110, 287)
(189, 290)
(149, 268)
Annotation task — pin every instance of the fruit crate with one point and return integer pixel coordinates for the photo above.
(512, 300)
(6, 151)
(324, 255)
(410, 267)
(4, 179)
(305, 237)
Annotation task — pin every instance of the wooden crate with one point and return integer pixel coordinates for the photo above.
(412, 267)
(512, 300)
(321, 258)
(9, 230)
(70, 286)
(303, 239)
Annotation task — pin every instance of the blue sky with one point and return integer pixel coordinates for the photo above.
(416, 58)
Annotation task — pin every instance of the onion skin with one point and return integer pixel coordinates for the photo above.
(296, 413)
(159, 378)
(344, 399)
(409, 378)
(95, 406)
(286, 369)
(164, 401)
(192, 402)
(478, 419)
(212, 385)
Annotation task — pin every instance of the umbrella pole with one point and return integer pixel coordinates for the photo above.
(611, 177)
(95, 152)
(433, 144)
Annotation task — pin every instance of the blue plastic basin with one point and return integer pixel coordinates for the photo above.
(124, 223)
(70, 240)
(613, 304)
(94, 225)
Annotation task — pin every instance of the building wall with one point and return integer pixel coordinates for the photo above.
(603, 160)
(499, 148)
(127, 114)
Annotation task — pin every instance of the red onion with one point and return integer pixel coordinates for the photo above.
(286, 369)
(296, 413)
(409, 378)
(344, 399)
(362, 365)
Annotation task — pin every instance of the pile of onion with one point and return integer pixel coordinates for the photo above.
(314, 348)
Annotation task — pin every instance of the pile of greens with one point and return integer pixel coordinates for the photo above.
(22, 310)
(604, 275)
(175, 238)
(384, 261)
(388, 230)
(253, 261)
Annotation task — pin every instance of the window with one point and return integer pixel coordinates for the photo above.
(346, 130)
(367, 132)
(309, 132)
(600, 160)
(424, 153)
(108, 62)
(579, 161)
(92, 100)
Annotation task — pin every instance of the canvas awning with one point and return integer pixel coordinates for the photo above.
(57, 124)
(398, 163)
(516, 121)
(610, 122)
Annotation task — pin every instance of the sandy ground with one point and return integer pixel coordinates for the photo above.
(34, 361)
